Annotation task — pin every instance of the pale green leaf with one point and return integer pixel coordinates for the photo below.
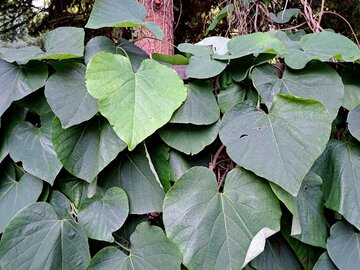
(220, 230)
(203, 67)
(280, 146)
(136, 104)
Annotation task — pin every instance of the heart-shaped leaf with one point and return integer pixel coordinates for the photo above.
(33, 147)
(135, 173)
(87, 148)
(124, 13)
(110, 210)
(317, 81)
(39, 239)
(150, 249)
(67, 95)
(220, 230)
(203, 67)
(325, 263)
(200, 106)
(16, 192)
(280, 146)
(343, 246)
(189, 139)
(341, 177)
(309, 224)
(354, 122)
(137, 104)
(19, 81)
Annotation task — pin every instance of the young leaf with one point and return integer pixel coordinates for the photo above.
(220, 230)
(343, 246)
(16, 192)
(150, 249)
(280, 146)
(39, 239)
(110, 210)
(33, 147)
(87, 148)
(19, 81)
(138, 103)
(66, 92)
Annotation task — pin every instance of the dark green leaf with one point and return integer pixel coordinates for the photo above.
(351, 80)
(39, 239)
(354, 122)
(67, 95)
(293, 134)
(96, 45)
(220, 230)
(87, 148)
(325, 263)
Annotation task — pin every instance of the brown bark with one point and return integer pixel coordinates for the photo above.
(161, 12)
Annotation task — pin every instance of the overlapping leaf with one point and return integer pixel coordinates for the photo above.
(351, 80)
(325, 263)
(66, 93)
(280, 146)
(110, 209)
(317, 81)
(16, 192)
(125, 13)
(19, 81)
(39, 239)
(354, 122)
(86, 149)
(150, 249)
(138, 103)
(33, 147)
(220, 230)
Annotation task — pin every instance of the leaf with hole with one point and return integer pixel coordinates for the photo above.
(280, 146)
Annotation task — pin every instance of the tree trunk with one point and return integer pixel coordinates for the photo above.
(161, 12)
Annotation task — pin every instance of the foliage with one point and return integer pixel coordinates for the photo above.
(110, 161)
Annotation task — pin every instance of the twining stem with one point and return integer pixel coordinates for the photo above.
(122, 246)
(212, 164)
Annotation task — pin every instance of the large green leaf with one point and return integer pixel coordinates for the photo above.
(20, 55)
(280, 146)
(325, 263)
(110, 210)
(19, 81)
(354, 122)
(37, 238)
(342, 180)
(317, 81)
(16, 192)
(202, 67)
(323, 46)
(150, 249)
(343, 246)
(189, 139)
(253, 44)
(64, 43)
(230, 96)
(138, 103)
(67, 95)
(135, 173)
(351, 80)
(200, 106)
(86, 149)
(33, 147)
(277, 256)
(124, 13)
(220, 230)
(309, 224)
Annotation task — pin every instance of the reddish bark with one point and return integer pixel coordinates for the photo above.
(161, 12)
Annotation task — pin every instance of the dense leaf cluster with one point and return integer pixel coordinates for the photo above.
(110, 161)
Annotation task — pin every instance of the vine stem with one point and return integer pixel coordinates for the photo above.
(216, 156)
(122, 246)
